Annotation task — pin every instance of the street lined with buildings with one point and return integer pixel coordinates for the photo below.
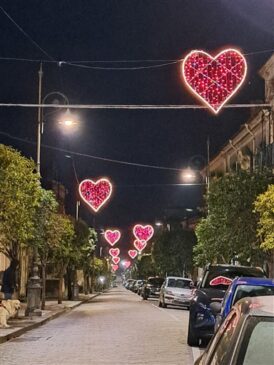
(117, 327)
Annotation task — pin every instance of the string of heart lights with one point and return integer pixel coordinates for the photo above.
(214, 80)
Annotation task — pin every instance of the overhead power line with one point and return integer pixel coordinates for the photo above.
(128, 106)
(75, 153)
(86, 64)
(26, 35)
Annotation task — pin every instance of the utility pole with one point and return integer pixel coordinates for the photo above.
(40, 122)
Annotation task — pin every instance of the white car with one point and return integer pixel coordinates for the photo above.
(176, 291)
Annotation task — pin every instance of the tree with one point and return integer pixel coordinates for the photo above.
(62, 250)
(264, 206)
(145, 267)
(19, 197)
(83, 246)
(229, 229)
(46, 232)
(172, 252)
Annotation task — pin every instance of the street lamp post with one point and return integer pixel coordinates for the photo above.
(34, 282)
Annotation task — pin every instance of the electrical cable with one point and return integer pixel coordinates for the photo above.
(130, 106)
(25, 34)
(78, 63)
(68, 152)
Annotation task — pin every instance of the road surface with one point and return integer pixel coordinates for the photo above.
(116, 328)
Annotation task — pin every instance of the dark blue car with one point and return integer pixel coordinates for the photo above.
(241, 287)
(212, 288)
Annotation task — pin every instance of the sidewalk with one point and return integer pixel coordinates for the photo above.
(22, 324)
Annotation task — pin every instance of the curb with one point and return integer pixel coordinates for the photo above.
(32, 326)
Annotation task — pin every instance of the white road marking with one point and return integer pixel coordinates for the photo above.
(167, 312)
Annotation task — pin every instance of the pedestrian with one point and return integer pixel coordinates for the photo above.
(9, 280)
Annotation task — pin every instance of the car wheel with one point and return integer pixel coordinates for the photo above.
(160, 304)
(164, 304)
(144, 297)
(192, 339)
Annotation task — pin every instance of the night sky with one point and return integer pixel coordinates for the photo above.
(127, 30)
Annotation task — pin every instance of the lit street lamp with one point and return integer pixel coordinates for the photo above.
(34, 286)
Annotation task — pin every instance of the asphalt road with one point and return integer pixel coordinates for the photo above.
(116, 328)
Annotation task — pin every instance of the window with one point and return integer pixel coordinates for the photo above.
(244, 291)
(178, 283)
(222, 346)
(258, 342)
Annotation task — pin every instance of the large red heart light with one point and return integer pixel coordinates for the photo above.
(114, 267)
(114, 252)
(214, 80)
(143, 233)
(116, 260)
(132, 253)
(112, 236)
(95, 193)
(139, 245)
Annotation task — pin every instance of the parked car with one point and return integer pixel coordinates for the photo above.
(140, 288)
(128, 282)
(176, 291)
(238, 289)
(137, 285)
(152, 287)
(245, 337)
(211, 288)
(131, 285)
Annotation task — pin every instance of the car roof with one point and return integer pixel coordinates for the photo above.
(252, 281)
(177, 277)
(257, 306)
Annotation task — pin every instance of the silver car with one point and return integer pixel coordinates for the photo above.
(176, 291)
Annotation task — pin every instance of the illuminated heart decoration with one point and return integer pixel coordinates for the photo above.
(132, 253)
(114, 252)
(140, 245)
(95, 193)
(116, 260)
(143, 233)
(112, 236)
(127, 264)
(114, 267)
(214, 80)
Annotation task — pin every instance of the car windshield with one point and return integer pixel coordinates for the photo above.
(155, 281)
(257, 346)
(178, 283)
(223, 278)
(243, 291)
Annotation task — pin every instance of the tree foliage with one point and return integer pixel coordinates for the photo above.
(19, 197)
(264, 206)
(145, 267)
(172, 252)
(230, 226)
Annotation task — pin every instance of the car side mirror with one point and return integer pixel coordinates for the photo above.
(215, 307)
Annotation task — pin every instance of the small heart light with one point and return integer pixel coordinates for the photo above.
(214, 80)
(127, 264)
(114, 267)
(143, 233)
(116, 259)
(139, 245)
(95, 193)
(114, 252)
(112, 237)
(132, 253)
